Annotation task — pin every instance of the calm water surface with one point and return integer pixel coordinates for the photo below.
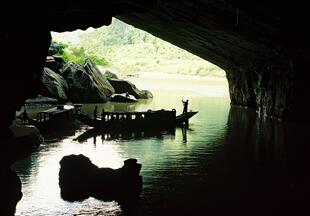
(229, 159)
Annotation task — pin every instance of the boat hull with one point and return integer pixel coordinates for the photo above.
(156, 120)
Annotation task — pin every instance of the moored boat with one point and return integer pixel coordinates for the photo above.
(60, 115)
(131, 120)
(149, 120)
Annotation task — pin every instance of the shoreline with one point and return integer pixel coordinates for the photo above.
(184, 84)
(177, 76)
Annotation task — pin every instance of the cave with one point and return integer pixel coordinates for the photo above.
(262, 46)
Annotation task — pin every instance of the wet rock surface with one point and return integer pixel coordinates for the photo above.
(124, 86)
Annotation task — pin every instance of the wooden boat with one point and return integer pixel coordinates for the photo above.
(124, 97)
(149, 120)
(58, 116)
(182, 119)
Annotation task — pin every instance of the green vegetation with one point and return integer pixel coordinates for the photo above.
(127, 50)
(78, 54)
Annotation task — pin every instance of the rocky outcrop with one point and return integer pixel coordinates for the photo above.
(86, 83)
(110, 75)
(54, 49)
(145, 94)
(55, 63)
(27, 137)
(10, 186)
(54, 85)
(99, 79)
(123, 86)
(123, 184)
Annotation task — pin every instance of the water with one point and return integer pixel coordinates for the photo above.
(229, 160)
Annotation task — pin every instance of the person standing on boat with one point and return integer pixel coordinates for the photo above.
(95, 112)
(185, 106)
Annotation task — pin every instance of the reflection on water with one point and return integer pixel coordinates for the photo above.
(228, 161)
(121, 135)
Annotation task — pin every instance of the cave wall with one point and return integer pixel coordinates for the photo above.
(262, 46)
(264, 87)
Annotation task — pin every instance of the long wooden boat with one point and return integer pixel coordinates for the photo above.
(149, 120)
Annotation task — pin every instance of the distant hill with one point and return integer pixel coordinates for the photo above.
(127, 50)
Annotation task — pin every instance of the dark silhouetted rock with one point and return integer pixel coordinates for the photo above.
(54, 85)
(54, 48)
(10, 187)
(27, 137)
(79, 179)
(123, 86)
(86, 83)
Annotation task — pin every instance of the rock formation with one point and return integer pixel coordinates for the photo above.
(86, 83)
(123, 86)
(55, 63)
(54, 85)
(109, 75)
(79, 178)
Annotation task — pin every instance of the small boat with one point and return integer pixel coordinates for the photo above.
(124, 97)
(143, 121)
(58, 116)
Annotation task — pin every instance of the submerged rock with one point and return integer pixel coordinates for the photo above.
(79, 179)
(86, 83)
(54, 85)
(123, 86)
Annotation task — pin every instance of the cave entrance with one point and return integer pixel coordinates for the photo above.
(146, 60)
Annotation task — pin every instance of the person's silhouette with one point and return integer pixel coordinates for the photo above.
(23, 116)
(95, 112)
(185, 106)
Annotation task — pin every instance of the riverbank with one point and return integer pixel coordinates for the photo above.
(188, 84)
(178, 76)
